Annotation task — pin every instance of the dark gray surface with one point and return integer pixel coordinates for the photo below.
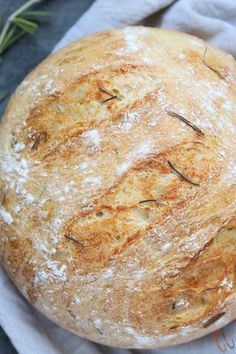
(5, 344)
(23, 56)
(27, 53)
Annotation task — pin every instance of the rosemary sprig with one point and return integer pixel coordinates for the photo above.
(11, 37)
(217, 72)
(186, 121)
(19, 23)
(35, 14)
(182, 175)
(26, 25)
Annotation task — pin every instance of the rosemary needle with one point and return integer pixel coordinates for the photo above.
(182, 175)
(76, 241)
(147, 201)
(112, 97)
(186, 121)
(214, 70)
(213, 320)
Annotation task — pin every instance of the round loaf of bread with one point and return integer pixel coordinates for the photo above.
(118, 188)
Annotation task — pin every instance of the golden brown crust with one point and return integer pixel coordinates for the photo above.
(118, 186)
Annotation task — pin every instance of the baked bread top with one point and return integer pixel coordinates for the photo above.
(118, 186)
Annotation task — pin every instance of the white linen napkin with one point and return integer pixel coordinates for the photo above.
(212, 20)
